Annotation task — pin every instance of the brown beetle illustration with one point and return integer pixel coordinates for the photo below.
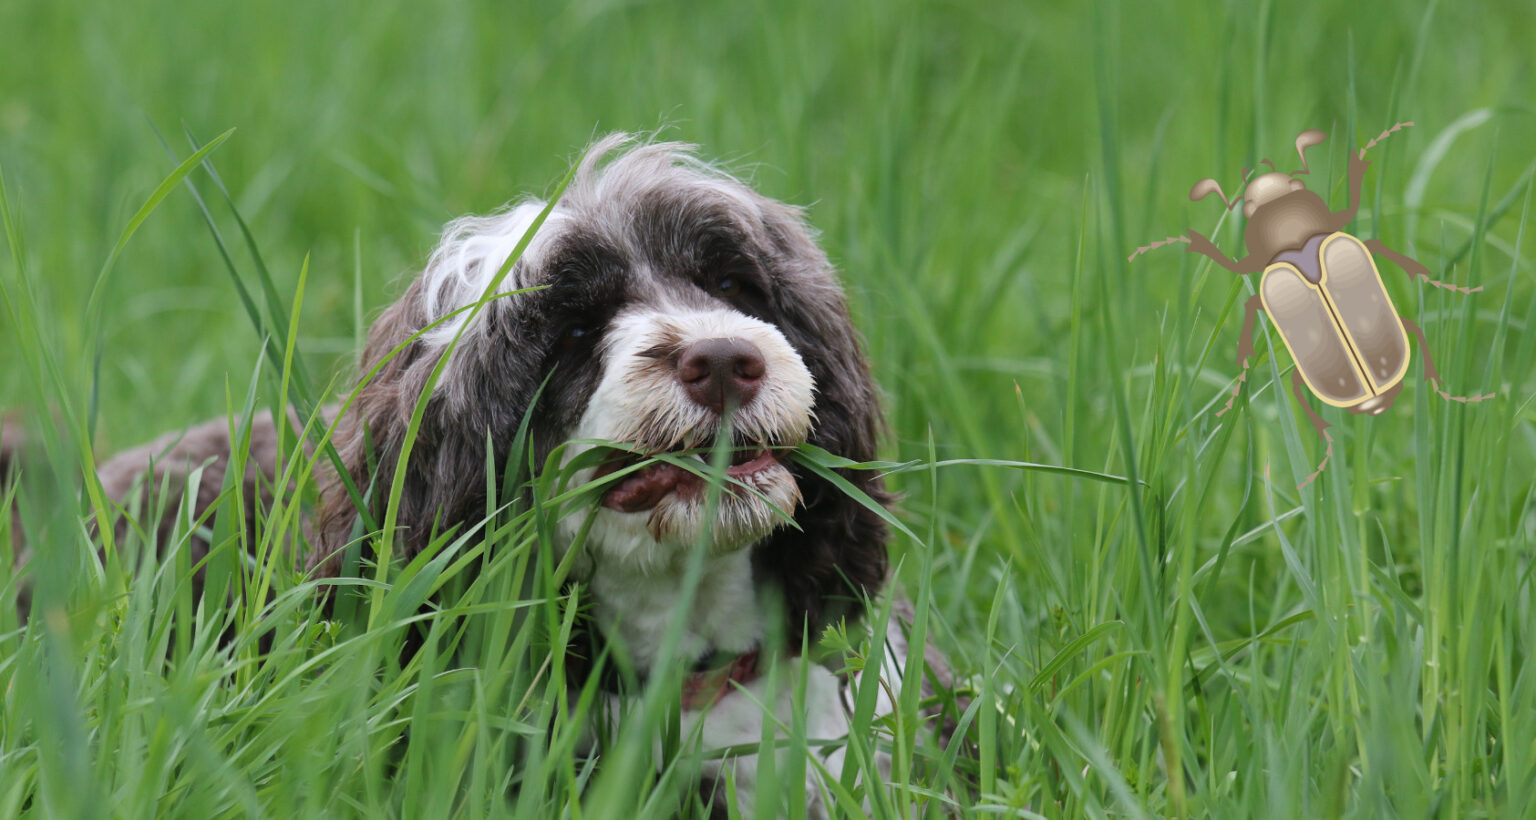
(1322, 290)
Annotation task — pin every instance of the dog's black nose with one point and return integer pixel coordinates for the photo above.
(721, 372)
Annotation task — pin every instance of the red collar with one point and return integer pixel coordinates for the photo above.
(706, 688)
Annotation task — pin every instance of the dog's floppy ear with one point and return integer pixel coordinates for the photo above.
(838, 555)
(443, 484)
(481, 394)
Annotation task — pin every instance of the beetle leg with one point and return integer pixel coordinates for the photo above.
(1318, 424)
(1357, 166)
(1203, 246)
(1429, 366)
(1383, 135)
(1413, 267)
(1244, 349)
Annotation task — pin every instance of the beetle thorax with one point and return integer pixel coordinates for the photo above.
(1284, 222)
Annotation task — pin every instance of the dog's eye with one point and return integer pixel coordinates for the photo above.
(575, 336)
(728, 286)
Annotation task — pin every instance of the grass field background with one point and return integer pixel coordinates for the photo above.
(1202, 641)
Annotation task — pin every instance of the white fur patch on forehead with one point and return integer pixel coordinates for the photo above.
(601, 184)
(601, 197)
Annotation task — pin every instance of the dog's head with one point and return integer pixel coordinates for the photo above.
(665, 296)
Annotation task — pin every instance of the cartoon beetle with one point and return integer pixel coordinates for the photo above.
(1322, 290)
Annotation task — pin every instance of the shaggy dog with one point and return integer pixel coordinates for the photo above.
(660, 298)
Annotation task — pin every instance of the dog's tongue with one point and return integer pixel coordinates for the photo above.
(645, 488)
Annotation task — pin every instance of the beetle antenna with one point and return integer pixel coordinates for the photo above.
(1270, 164)
(1305, 140)
(1205, 188)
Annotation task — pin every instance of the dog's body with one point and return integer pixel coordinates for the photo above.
(664, 297)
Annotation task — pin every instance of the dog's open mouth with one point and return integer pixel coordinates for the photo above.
(644, 488)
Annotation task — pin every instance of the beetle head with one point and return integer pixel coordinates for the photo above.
(1267, 188)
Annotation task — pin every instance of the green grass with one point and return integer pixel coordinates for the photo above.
(1204, 641)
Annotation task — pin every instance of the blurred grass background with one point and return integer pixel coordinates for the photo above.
(980, 171)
